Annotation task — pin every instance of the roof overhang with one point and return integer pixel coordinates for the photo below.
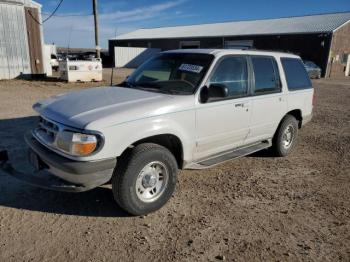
(311, 24)
(226, 36)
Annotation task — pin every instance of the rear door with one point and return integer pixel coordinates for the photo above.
(268, 102)
(224, 124)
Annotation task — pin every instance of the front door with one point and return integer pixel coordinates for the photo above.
(224, 124)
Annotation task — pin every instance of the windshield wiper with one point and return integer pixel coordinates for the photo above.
(163, 91)
(150, 85)
(153, 87)
(128, 84)
(149, 88)
(173, 92)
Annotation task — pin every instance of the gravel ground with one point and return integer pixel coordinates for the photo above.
(256, 208)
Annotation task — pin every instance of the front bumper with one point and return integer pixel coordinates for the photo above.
(60, 173)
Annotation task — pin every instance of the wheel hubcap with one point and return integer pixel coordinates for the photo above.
(288, 136)
(151, 181)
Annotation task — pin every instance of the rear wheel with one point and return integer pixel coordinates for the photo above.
(145, 179)
(285, 138)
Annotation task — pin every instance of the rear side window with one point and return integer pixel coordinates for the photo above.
(296, 75)
(266, 75)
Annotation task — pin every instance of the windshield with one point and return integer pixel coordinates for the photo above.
(173, 73)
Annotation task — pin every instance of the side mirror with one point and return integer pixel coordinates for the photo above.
(213, 92)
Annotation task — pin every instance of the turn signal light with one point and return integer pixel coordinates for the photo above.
(83, 149)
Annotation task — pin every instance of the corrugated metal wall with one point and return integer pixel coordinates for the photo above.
(312, 47)
(132, 57)
(14, 53)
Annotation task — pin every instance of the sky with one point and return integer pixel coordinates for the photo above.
(73, 24)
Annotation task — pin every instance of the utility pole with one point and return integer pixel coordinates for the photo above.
(98, 49)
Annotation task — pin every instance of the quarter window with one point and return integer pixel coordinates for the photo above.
(232, 72)
(296, 75)
(266, 75)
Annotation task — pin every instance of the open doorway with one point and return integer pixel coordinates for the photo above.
(239, 44)
(189, 44)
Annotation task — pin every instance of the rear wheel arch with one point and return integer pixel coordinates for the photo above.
(297, 114)
(287, 132)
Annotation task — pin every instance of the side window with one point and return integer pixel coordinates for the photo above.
(296, 75)
(266, 75)
(233, 73)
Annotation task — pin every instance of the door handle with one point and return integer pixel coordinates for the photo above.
(241, 105)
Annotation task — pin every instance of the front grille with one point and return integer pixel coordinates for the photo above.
(46, 130)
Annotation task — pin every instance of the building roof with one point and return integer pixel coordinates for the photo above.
(29, 3)
(323, 23)
(230, 51)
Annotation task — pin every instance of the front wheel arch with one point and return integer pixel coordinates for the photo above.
(169, 141)
(126, 174)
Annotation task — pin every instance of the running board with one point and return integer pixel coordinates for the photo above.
(229, 155)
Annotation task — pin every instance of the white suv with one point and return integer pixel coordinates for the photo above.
(182, 109)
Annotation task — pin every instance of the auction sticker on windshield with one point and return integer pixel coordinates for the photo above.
(191, 68)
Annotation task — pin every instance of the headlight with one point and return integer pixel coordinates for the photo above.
(77, 144)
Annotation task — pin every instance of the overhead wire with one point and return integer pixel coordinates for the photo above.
(54, 11)
(50, 15)
(69, 15)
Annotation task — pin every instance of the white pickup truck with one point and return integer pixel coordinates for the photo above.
(182, 109)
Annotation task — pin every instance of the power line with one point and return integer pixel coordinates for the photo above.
(54, 11)
(51, 15)
(68, 15)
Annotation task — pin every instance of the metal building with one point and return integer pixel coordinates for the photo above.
(21, 39)
(324, 38)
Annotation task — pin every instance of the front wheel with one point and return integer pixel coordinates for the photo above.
(285, 138)
(145, 179)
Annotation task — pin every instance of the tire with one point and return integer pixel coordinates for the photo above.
(144, 179)
(286, 136)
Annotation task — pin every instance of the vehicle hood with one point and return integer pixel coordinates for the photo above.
(104, 106)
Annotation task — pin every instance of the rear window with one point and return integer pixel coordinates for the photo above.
(296, 75)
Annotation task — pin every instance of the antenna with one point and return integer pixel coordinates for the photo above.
(112, 76)
(69, 39)
(95, 11)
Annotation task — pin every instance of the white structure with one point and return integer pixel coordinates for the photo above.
(347, 70)
(132, 57)
(81, 71)
(21, 51)
(52, 48)
(47, 59)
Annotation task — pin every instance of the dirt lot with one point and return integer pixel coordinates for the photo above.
(254, 208)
